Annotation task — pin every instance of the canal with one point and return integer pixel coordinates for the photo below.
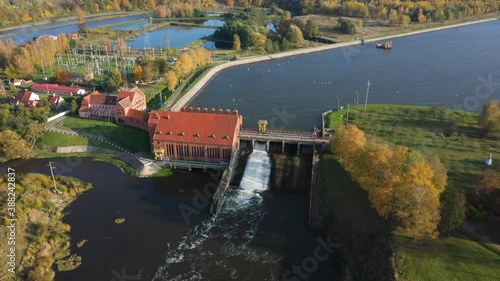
(438, 68)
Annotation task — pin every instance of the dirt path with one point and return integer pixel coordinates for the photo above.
(474, 231)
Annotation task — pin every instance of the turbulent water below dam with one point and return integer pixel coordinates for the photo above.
(228, 233)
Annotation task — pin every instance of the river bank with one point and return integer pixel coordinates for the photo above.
(41, 239)
(188, 96)
(89, 18)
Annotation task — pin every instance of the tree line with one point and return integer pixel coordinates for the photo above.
(186, 63)
(35, 56)
(24, 11)
(248, 30)
(403, 185)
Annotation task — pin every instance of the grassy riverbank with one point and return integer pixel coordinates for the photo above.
(346, 208)
(42, 241)
(452, 135)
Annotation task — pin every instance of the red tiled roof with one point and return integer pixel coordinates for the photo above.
(54, 88)
(54, 99)
(96, 98)
(137, 114)
(129, 95)
(191, 127)
(23, 97)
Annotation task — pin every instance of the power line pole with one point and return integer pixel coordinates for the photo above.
(53, 178)
(367, 91)
(338, 103)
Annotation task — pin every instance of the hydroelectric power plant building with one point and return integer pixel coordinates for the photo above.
(194, 134)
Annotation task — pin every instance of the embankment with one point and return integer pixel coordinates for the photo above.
(212, 72)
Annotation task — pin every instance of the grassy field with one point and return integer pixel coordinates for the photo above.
(128, 137)
(52, 139)
(452, 135)
(454, 258)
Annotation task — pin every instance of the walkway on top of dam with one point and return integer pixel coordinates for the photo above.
(282, 136)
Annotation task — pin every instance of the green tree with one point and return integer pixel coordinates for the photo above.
(74, 106)
(236, 42)
(161, 65)
(452, 209)
(347, 26)
(294, 35)
(269, 46)
(12, 146)
(490, 117)
(116, 75)
(33, 132)
(311, 29)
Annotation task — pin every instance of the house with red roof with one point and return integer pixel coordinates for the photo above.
(97, 105)
(29, 99)
(126, 108)
(56, 102)
(129, 109)
(56, 89)
(194, 135)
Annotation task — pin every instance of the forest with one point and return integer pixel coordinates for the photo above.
(396, 11)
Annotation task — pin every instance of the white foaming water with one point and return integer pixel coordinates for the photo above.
(200, 255)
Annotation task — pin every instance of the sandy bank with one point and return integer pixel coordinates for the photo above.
(212, 72)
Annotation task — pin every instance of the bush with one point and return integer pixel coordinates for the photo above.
(347, 27)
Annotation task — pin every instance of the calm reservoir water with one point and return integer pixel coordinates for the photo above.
(178, 36)
(257, 235)
(438, 68)
(27, 33)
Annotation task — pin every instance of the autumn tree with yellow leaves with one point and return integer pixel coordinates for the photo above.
(402, 185)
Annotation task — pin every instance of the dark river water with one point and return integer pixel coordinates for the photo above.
(257, 236)
(437, 68)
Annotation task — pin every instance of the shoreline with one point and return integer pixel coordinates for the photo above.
(88, 19)
(187, 97)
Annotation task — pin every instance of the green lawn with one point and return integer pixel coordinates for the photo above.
(53, 139)
(454, 258)
(452, 135)
(128, 137)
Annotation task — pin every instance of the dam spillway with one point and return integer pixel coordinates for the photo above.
(228, 233)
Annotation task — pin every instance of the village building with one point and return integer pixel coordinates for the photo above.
(19, 82)
(130, 108)
(56, 89)
(126, 108)
(96, 105)
(56, 102)
(28, 99)
(194, 135)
